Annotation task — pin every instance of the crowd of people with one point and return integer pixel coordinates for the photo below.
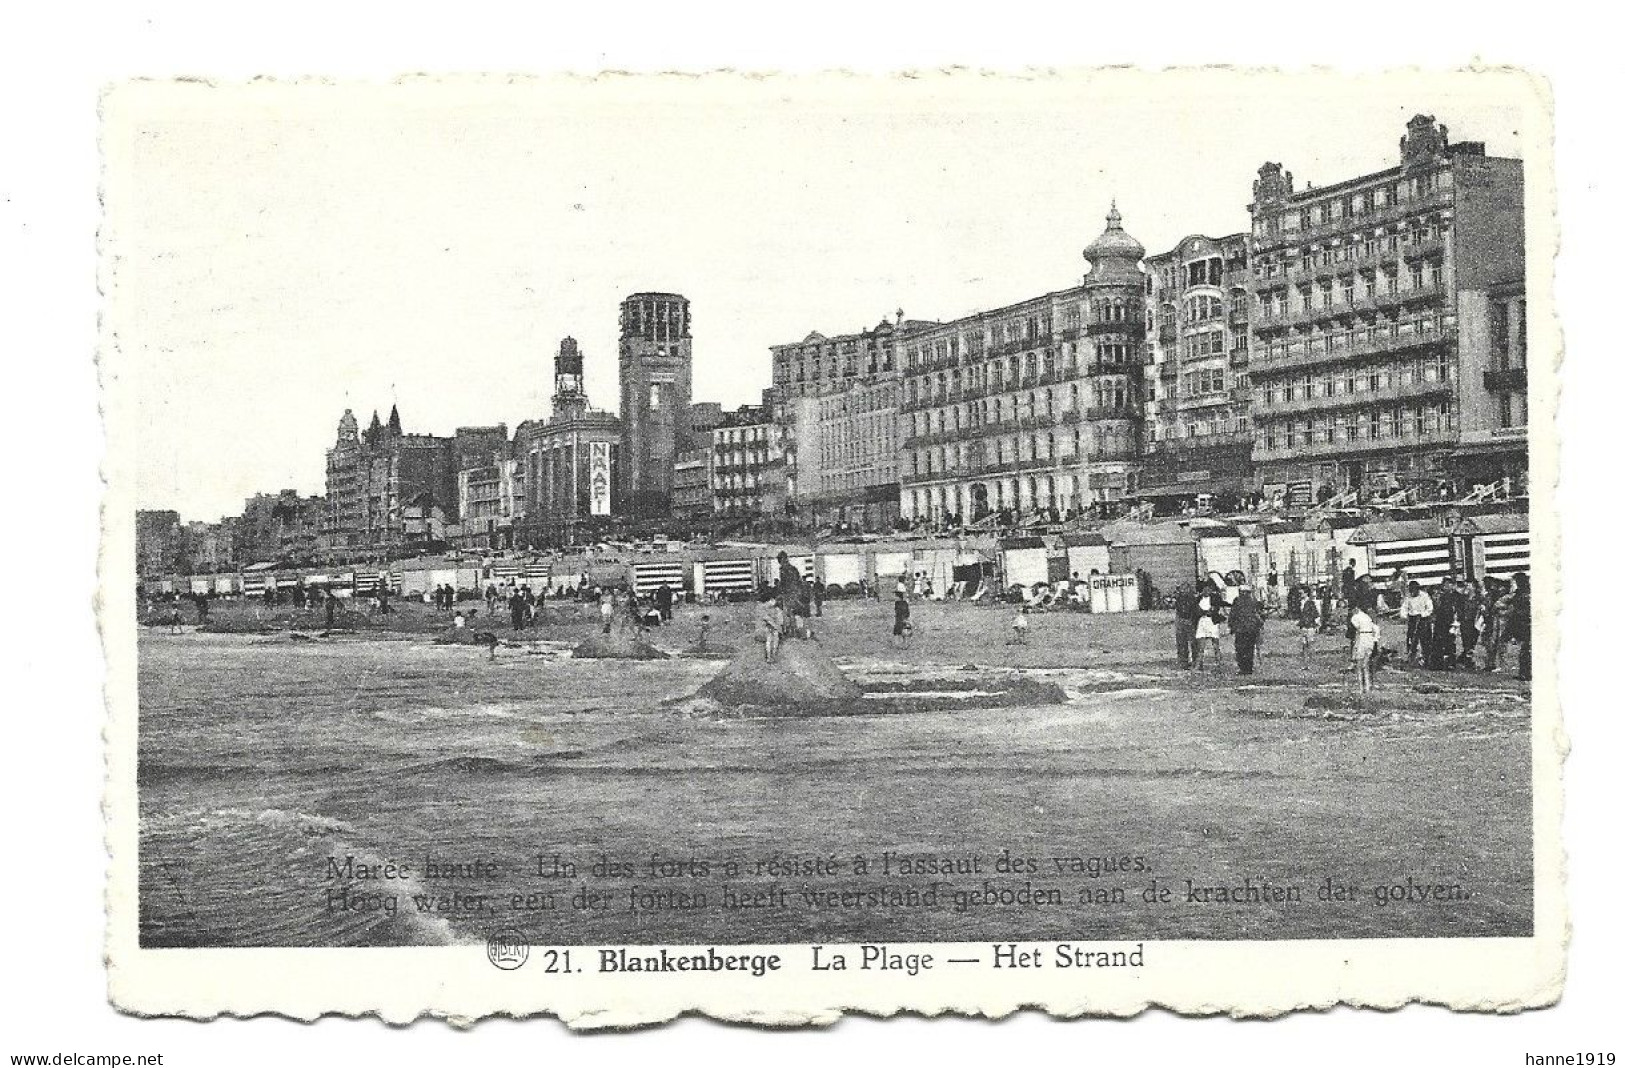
(1458, 624)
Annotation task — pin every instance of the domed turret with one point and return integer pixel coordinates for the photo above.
(1114, 256)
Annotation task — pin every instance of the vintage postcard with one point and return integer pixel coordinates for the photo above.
(772, 547)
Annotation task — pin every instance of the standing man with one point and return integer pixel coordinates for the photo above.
(1417, 612)
(1443, 655)
(1520, 624)
(1247, 624)
(516, 609)
(1187, 611)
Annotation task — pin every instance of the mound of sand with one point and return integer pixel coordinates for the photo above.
(620, 645)
(802, 676)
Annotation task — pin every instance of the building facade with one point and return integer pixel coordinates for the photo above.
(839, 424)
(656, 367)
(1034, 410)
(1494, 353)
(1198, 432)
(847, 446)
(381, 482)
(568, 479)
(747, 461)
(1355, 358)
(159, 548)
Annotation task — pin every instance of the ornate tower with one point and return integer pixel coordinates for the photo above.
(657, 365)
(1114, 295)
(569, 388)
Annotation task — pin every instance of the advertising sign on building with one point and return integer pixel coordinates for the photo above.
(598, 477)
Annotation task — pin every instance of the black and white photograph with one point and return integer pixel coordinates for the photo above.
(1048, 518)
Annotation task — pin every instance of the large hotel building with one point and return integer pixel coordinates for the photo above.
(1386, 350)
(1030, 410)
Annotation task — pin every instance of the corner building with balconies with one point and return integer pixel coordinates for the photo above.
(1199, 438)
(1035, 410)
(1358, 379)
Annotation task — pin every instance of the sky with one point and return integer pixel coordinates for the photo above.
(274, 253)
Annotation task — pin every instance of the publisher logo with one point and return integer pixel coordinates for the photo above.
(507, 950)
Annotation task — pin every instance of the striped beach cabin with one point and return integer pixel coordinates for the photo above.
(1495, 545)
(1418, 547)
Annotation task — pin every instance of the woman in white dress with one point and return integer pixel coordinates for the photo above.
(1207, 630)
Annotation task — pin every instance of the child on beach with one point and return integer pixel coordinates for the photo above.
(606, 613)
(1019, 627)
(1364, 646)
(1308, 627)
(772, 631)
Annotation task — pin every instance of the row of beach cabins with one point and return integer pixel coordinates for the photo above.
(1109, 561)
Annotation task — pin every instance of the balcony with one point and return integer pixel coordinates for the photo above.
(1388, 394)
(1096, 414)
(1348, 345)
(1507, 380)
(1409, 442)
(1133, 330)
(1376, 217)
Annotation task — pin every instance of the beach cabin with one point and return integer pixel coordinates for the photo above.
(890, 565)
(1085, 551)
(1494, 545)
(1218, 548)
(649, 575)
(843, 571)
(1418, 547)
(1023, 562)
(1291, 551)
(726, 575)
(1165, 551)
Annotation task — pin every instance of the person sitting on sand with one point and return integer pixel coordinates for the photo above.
(1018, 626)
(1364, 646)
(458, 621)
